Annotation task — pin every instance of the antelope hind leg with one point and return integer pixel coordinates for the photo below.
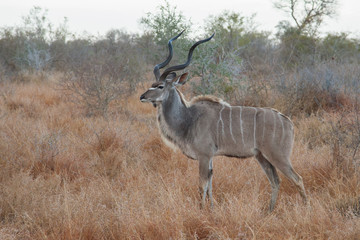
(273, 177)
(297, 180)
(285, 167)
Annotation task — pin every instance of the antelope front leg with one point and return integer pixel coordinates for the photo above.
(205, 183)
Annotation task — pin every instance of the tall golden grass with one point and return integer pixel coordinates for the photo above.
(67, 176)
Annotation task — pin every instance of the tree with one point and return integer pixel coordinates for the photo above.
(231, 28)
(340, 47)
(299, 41)
(218, 63)
(308, 14)
(31, 45)
(228, 27)
(166, 23)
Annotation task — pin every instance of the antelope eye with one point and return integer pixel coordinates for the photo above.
(160, 87)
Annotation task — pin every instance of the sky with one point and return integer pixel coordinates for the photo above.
(97, 17)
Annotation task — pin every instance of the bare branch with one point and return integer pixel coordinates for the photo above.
(292, 7)
(308, 14)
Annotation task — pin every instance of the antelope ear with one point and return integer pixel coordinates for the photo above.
(170, 77)
(182, 79)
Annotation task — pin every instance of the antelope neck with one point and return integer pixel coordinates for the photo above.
(175, 113)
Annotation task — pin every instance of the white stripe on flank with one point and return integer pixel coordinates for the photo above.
(263, 133)
(255, 127)
(230, 126)
(221, 120)
(274, 114)
(282, 125)
(241, 127)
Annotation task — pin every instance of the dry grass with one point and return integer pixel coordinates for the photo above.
(67, 176)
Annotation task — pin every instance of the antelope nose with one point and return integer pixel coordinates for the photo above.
(142, 97)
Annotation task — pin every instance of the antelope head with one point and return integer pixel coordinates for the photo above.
(159, 91)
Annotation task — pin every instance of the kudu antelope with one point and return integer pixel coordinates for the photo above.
(207, 126)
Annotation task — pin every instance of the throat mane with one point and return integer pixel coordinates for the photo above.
(175, 119)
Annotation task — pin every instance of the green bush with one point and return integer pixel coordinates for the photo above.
(339, 47)
(28, 47)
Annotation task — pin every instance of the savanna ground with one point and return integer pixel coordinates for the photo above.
(65, 175)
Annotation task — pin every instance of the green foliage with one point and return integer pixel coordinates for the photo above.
(36, 25)
(36, 29)
(299, 49)
(230, 28)
(299, 41)
(296, 48)
(340, 48)
(165, 23)
(28, 47)
(219, 71)
(221, 63)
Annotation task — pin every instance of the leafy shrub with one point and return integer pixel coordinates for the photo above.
(165, 23)
(296, 48)
(338, 47)
(27, 47)
(218, 72)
